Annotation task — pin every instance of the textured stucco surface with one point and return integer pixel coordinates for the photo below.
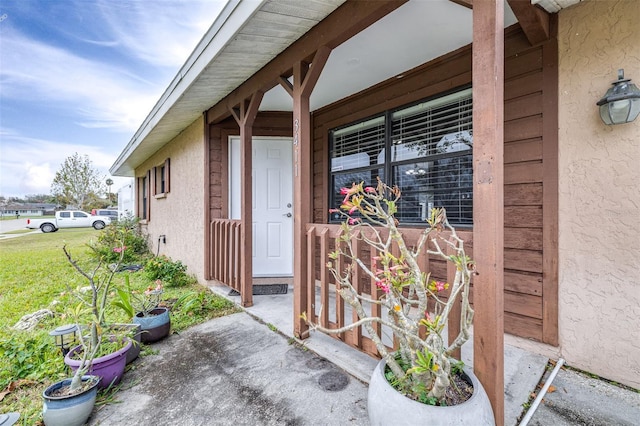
(180, 214)
(599, 193)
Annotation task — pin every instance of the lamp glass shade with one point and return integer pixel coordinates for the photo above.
(621, 103)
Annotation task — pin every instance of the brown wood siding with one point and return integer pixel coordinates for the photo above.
(528, 111)
(266, 124)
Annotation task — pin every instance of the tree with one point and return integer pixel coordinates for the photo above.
(76, 180)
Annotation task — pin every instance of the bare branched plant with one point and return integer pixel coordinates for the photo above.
(422, 363)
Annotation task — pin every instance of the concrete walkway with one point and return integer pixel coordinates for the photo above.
(234, 370)
(245, 369)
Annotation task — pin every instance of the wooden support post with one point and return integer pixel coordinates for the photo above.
(245, 114)
(305, 77)
(488, 199)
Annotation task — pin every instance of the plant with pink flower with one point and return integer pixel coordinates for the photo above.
(415, 308)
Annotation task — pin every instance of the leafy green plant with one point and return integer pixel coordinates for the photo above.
(133, 302)
(172, 273)
(118, 237)
(192, 301)
(27, 286)
(28, 356)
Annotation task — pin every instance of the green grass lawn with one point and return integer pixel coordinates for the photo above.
(34, 275)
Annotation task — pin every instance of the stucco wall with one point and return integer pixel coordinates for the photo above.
(599, 185)
(180, 214)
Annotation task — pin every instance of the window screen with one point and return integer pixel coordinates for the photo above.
(430, 157)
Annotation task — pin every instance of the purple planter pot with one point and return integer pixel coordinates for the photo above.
(133, 331)
(109, 367)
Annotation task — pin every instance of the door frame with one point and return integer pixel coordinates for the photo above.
(233, 188)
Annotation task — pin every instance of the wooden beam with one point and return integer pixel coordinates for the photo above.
(245, 114)
(206, 197)
(550, 188)
(533, 20)
(305, 77)
(348, 20)
(466, 3)
(488, 199)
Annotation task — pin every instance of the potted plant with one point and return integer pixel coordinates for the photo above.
(105, 348)
(418, 379)
(144, 310)
(69, 402)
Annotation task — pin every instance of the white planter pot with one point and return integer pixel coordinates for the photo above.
(387, 406)
(69, 410)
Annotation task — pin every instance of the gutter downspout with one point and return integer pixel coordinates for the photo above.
(542, 393)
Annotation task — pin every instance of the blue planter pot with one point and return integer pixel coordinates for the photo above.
(71, 410)
(155, 326)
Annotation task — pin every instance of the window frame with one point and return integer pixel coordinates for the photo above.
(388, 166)
(143, 196)
(161, 174)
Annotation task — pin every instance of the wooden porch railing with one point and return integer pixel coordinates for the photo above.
(225, 252)
(326, 308)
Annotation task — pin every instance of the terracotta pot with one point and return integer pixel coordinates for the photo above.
(387, 406)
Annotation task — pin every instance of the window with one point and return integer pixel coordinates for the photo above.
(425, 149)
(161, 175)
(80, 214)
(143, 196)
(65, 215)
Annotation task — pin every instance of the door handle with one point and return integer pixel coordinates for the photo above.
(287, 214)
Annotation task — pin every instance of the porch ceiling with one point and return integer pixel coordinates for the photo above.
(249, 34)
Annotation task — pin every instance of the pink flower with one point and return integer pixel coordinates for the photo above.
(440, 285)
(385, 287)
(370, 189)
(119, 249)
(353, 220)
(334, 211)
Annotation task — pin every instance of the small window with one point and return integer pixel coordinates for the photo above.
(65, 214)
(143, 196)
(79, 214)
(161, 175)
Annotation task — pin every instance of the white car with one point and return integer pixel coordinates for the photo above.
(69, 219)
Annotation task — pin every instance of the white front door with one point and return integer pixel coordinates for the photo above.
(272, 177)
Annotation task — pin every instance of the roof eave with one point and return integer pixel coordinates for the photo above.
(230, 20)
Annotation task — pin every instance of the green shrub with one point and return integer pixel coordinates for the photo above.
(125, 233)
(27, 356)
(172, 273)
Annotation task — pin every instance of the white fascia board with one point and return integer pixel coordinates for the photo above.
(230, 20)
(554, 6)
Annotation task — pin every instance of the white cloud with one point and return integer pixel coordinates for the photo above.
(28, 166)
(100, 95)
(108, 94)
(162, 33)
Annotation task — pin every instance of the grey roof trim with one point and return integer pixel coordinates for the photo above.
(553, 6)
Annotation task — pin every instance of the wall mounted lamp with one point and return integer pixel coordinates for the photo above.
(621, 103)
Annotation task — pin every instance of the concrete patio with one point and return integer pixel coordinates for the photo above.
(245, 369)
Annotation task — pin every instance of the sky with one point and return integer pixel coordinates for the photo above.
(81, 76)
